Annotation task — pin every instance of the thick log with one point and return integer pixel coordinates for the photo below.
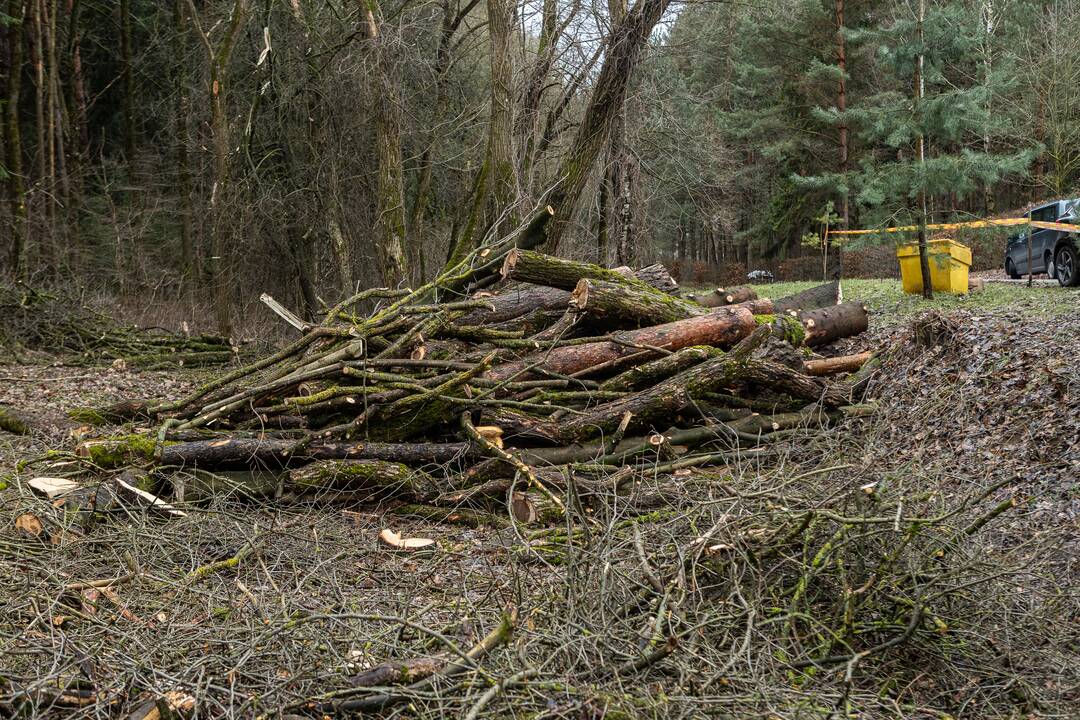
(725, 296)
(540, 269)
(24, 422)
(832, 323)
(722, 327)
(380, 478)
(836, 365)
(235, 453)
(816, 297)
(530, 508)
(533, 305)
(640, 305)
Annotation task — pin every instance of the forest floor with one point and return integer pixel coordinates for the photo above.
(995, 405)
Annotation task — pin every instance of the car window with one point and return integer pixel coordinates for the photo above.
(1045, 214)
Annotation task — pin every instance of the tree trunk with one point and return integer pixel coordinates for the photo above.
(13, 138)
(189, 272)
(127, 61)
(495, 186)
(725, 296)
(390, 202)
(624, 49)
(279, 453)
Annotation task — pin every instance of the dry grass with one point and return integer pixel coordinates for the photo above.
(809, 598)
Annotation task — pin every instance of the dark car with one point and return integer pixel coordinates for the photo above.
(1052, 251)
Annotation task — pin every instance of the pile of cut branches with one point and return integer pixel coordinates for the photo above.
(514, 399)
(59, 322)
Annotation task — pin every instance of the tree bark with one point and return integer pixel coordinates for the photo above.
(379, 478)
(220, 253)
(495, 186)
(836, 365)
(521, 300)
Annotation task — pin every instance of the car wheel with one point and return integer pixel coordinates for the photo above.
(1068, 266)
(1010, 269)
(1048, 263)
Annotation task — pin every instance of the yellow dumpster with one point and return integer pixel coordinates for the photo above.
(949, 263)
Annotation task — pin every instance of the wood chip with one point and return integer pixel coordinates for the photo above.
(52, 487)
(393, 540)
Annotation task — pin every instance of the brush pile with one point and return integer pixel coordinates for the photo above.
(59, 322)
(564, 377)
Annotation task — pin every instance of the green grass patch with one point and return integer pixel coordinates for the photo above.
(886, 298)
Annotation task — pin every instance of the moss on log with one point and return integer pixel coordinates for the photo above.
(119, 450)
(381, 478)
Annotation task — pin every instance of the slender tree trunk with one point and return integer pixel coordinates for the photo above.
(220, 254)
(841, 107)
(495, 187)
(390, 203)
(924, 260)
(38, 61)
(621, 171)
(188, 269)
(127, 61)
(528, 120)
(13, 138)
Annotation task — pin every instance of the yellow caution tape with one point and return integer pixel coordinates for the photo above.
(1003, 222)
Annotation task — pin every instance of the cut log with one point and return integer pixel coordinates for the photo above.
(832, 323)
(536, 306)
(722, 327)
(657, 276)
(118, 451)
(816, 297)
(639, 305)
(233, 453)
(195, 485)
(531, 508)
(378, 478)
(540, 269)
(725, 296)
(836, 365)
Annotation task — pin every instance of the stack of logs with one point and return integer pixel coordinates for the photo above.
(561, 380)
